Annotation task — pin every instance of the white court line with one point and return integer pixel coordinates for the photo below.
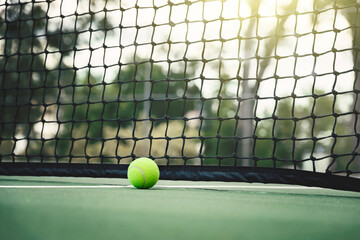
(63, 186)
(160, 186)
(240, 187)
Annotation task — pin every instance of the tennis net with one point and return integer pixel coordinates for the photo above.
(231, 90)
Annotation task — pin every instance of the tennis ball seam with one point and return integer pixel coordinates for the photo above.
(142, 172)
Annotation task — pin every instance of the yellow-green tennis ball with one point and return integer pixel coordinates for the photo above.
(143, 173)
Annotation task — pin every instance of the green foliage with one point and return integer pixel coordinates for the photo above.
(313, 136)
(123, 99)
(23, 69)
(33, 88)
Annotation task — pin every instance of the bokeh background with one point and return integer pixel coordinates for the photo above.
(232, 82)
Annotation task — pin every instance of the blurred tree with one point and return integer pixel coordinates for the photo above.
(220, 129)
(350, 10)
(39, 85)
(312, 124)
(29, 71)
(244, 109)
(248, 90)
(117, 104)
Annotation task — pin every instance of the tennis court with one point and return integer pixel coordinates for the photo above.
(86, 208)
(247, 109)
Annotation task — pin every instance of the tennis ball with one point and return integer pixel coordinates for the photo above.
(143, 173)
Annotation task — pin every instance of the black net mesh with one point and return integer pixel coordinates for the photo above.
(263, 84)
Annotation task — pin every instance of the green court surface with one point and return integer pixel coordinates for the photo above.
(86, 208)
